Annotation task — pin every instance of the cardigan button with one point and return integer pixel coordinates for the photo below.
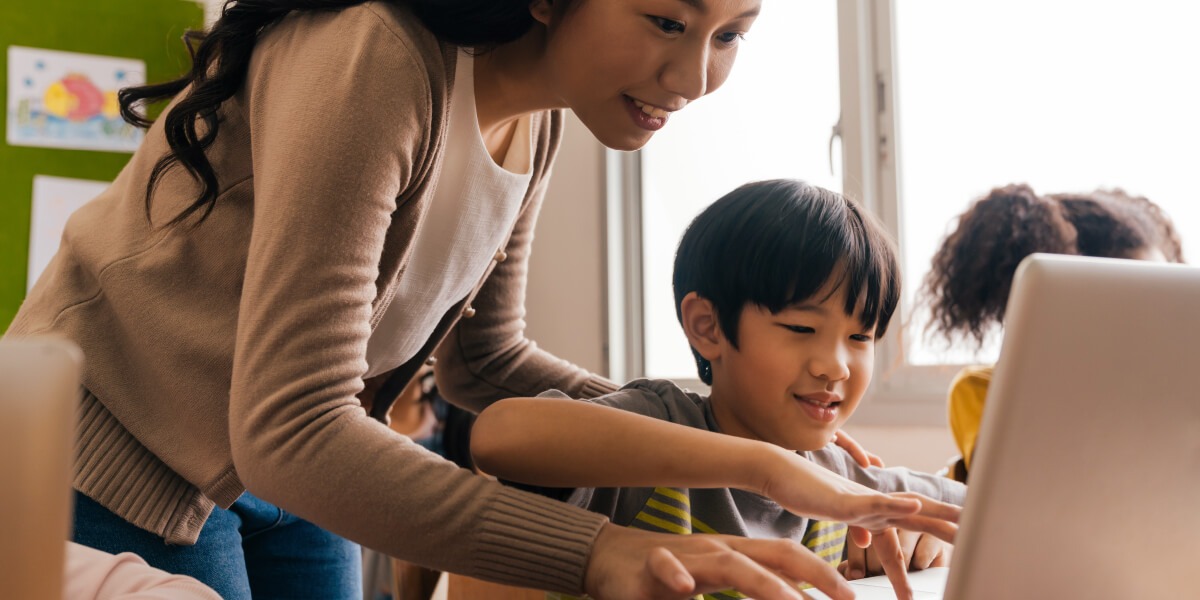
(468, 312)
(500, 256)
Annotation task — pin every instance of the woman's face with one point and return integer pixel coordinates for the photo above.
(623, 66)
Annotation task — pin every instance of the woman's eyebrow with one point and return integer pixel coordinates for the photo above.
(702, 6)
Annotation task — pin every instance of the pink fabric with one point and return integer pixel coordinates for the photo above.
(94, 575)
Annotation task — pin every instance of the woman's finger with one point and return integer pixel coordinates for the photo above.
(719, 571)
(795, 562)
(669, 573)
(628, 564)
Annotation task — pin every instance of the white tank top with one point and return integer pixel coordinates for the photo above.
(473, 211)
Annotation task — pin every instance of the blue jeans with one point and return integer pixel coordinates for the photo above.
(252, 549)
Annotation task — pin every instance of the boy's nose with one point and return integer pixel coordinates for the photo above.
(830, 367)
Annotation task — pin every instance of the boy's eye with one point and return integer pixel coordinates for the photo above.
(861, 337)
(731, 38)
(799, 329)
(668, 25)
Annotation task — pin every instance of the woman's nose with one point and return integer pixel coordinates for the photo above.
(686, 71)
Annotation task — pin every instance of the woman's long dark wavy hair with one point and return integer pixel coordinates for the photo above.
(967, 288)
(221, 58)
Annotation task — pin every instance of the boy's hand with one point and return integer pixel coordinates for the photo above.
(630, 564)
(920, 552)
(805, 488)
(895, 553)
(856, 450)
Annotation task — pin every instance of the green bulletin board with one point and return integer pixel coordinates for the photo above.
(149, 30)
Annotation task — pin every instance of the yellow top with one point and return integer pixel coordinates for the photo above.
(967, 396)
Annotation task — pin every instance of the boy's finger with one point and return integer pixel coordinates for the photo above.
(855, 564)
(927, 550)
(943, 530)
(891, 558)
(893, 504)
(853, 448)
(860, 536)
(935, 508)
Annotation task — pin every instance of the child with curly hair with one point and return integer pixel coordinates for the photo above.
(968, 286)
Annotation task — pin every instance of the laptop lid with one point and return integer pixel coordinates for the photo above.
(1086, 480)
(39, 388)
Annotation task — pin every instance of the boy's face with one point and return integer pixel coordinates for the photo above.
(796, 376)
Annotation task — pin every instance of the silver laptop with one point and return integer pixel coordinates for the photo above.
(39, 388)
(1086, 479)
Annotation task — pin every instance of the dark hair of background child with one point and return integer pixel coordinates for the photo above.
(972, 275)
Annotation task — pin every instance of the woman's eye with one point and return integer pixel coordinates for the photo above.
(668, 25)
(731, 38)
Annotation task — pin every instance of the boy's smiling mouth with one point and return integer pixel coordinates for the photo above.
(820, 406)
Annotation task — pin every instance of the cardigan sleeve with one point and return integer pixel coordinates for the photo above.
(339, 107)
(487, 357)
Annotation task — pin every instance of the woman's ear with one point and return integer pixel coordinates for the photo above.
(700, 325)
(542, 10)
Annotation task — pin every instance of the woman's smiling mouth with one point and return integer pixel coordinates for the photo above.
(645, 115)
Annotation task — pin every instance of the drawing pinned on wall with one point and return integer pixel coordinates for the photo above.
(54, 199)
(69, 100)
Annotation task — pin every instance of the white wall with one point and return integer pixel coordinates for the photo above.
(212, 8)
(566, 302)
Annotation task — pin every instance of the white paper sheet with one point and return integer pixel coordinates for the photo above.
(54, 199)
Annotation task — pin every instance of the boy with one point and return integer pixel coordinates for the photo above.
(782, 289)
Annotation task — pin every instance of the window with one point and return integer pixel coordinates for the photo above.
(938, 101)
(1066, 96)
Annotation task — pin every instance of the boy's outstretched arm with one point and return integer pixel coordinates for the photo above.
(553, 442)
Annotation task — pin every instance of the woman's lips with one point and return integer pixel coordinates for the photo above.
(646, 116)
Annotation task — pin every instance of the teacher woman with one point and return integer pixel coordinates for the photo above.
(338, 192)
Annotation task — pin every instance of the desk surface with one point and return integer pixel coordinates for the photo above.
(927, 585)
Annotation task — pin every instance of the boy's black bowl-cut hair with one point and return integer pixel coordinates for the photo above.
(776, 243)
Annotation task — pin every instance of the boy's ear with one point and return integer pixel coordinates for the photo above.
(700, 325)
(542, 11)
